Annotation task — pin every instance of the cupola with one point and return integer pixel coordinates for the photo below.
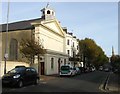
(48, 13)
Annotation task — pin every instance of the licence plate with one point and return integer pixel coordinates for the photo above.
(5, 82)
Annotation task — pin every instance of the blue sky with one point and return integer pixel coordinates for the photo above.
(98, 21)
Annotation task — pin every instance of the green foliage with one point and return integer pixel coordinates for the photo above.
(94, 53)
(30, 48)
(115, 61)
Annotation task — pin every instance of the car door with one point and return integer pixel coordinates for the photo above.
(33, 74)
(28, 75)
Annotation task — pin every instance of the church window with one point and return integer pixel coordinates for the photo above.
(13, 49)
(48, 12)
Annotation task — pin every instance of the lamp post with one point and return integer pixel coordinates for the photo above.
(6, 54)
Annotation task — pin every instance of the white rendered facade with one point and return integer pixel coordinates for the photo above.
(52, 37)
(72, 48)
(48, 31)
(71, 45)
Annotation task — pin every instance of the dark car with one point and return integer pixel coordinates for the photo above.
(20, 76)
(78, 71)
(101, 68)
(82, 69)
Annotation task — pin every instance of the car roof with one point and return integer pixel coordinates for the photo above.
(19, 66)
(67, 65)
(24, 67)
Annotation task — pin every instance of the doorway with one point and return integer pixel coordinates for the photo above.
(42, 68)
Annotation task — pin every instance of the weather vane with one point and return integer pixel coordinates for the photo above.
(47, 5)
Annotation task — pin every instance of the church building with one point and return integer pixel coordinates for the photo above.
(46, 30)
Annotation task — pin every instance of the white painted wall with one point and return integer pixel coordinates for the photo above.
(70, 47)
(48, 70)
(53, 26)
(50, 40)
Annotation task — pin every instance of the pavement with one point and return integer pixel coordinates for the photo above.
(46, 78)
(113, 83)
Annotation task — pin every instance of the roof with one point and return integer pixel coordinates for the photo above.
(21, 25)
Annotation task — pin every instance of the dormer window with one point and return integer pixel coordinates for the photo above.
(48, 12)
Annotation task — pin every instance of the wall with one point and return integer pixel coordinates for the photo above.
(70, 46)
(48, 70)
(18, 35)
(50, 40)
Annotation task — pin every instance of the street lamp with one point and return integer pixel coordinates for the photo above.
(6, 54)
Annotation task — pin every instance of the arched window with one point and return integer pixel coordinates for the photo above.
(48, 12)
(52, 63)
(13, 49)
(52, 13)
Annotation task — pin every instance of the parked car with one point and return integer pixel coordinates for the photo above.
(20, 76)
(93, 69)
(106, 69)
(78, 71)
(87, 69)
(82, 69)
(67, 70)
(100, 68)
(116, 70)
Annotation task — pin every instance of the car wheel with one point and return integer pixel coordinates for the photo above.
(36, 81)
(20, 84)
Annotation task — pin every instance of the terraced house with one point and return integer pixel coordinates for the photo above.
(49, 32)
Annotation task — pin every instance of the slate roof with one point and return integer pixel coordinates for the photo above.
(21, 25)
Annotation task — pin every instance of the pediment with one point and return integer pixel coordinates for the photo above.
(53, 25)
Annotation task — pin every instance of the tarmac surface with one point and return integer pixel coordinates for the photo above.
(112, 84)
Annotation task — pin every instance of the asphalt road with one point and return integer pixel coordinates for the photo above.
(87, 82)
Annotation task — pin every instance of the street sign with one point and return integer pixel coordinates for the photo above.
(6, 55)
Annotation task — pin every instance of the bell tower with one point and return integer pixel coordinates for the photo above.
(48, 13)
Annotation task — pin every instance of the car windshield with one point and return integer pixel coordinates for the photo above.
(65, 68)
(17, 70)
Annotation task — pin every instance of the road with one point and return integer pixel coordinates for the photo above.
(87, 82)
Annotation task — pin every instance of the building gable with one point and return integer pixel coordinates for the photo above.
(54, 26)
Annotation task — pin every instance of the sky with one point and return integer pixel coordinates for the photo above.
(95, 20)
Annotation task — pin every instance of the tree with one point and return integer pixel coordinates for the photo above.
(92, 52)
(30, 49)
(115, 61)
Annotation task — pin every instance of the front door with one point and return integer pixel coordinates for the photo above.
(42, 68)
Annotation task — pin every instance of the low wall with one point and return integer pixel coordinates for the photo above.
(10, 65)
